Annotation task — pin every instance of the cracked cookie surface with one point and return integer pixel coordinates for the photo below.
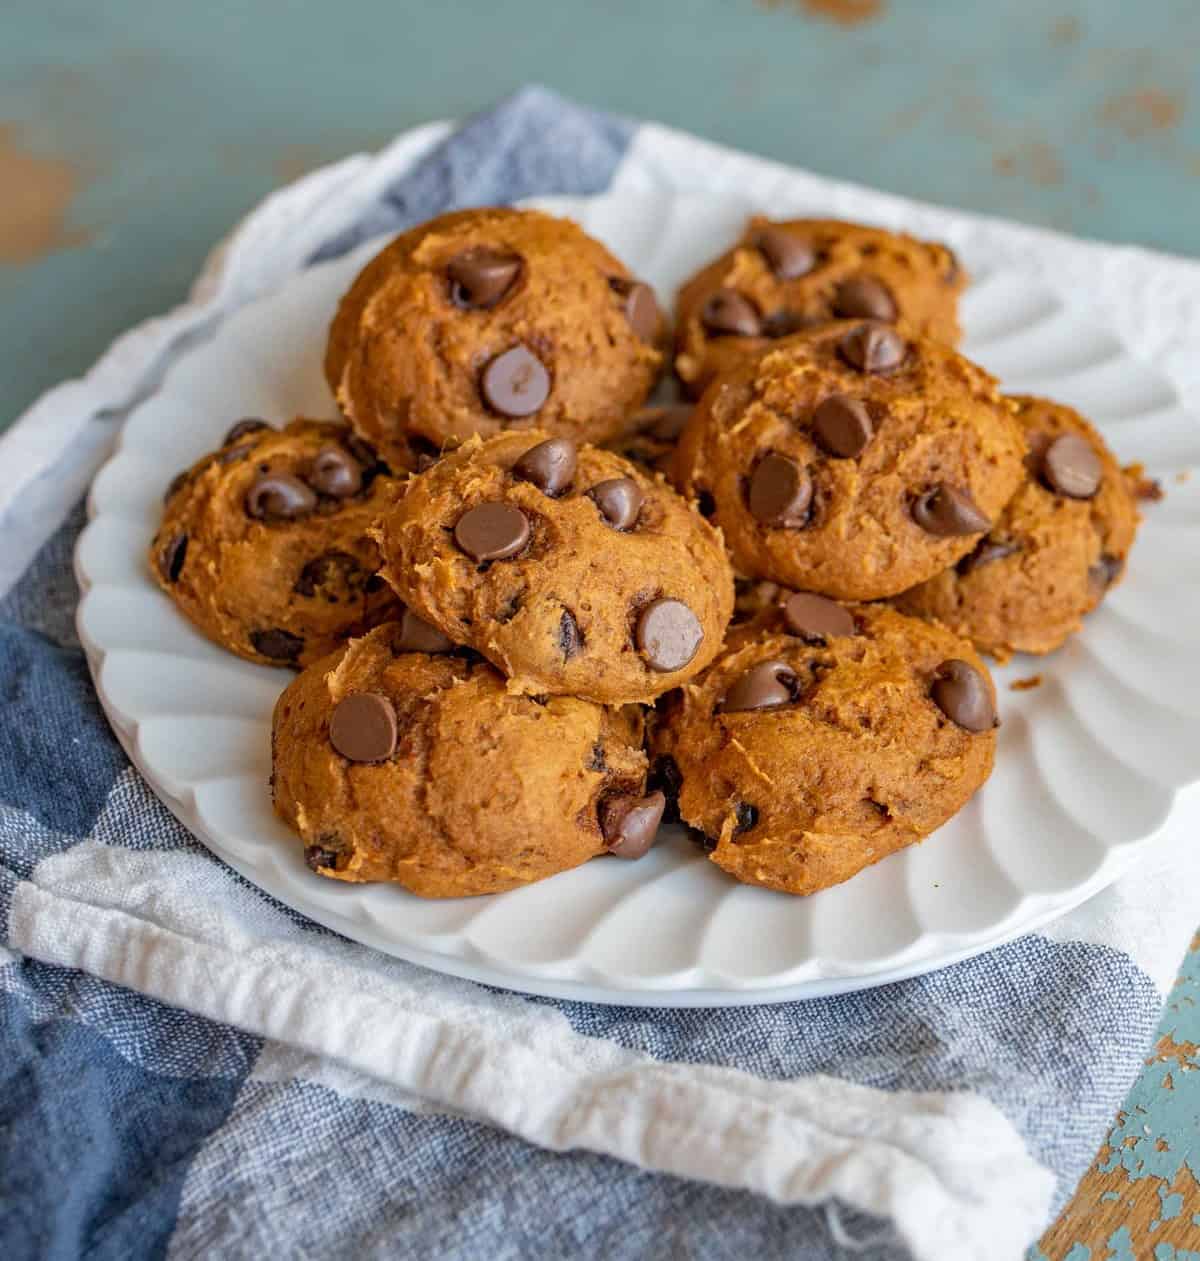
(492, 319)
(425, 770)
(263, 543)
(818, 744)
(851, 460)
(784, 276)
(1055, 550)
(570, 569)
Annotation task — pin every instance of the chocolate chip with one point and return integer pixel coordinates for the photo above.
(665, 777)
(706, 504)
(279, 497)
(596, 760)
(987, 551)
(318, 858)
(368, 457)
(492, 531)
(362, 727)
(668, 634)
(864, 297)
(173, 556)
(707, 843)
(873, 348)
(231, 455)
(278, 645)
(745, 816)
(549, 466)
(816, 619)
(946, 511)
(788, 256)
(570, 637)
(374, 583)
(780, 492)
(665, 423)
(620, 501)
(416, 635)
(515, 383)
(481, 276)
(641, 310)
(1071, 467)
(629, 824)
(336, 473)
(250, 425)
(328, 572)
(764, 686)
(961, 693)
(1104, 573)
(178, 482)
(728, 313)
(842, 426)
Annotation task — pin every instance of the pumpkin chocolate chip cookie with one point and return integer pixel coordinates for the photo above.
(785, 276)
(263, 543)
(852, 459)
(423, 769)
(824, 738)
(493, 319)
(1053, 552)
(569, 568)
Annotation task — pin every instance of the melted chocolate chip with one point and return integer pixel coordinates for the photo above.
(362, 727)
(596, 763)
(570, 637)
(335, 473)
(243, 428)
(665, 423)
(780, 492)
(173, 556)
(783, 323)
(842, 426)
(668, 635)
(788, 256)
(1104, 573)
(629, 824)
(178, 482)
(873, 348)
(481, 277)
(319, 858)
(279, 497)
(549, 466)
(416, 635)
(331, 573)
(816, 619)
(728, 313)
(947, 512)
(960, 692)
(665, 777)
(864, 297)
(767, 685)
(745, 816)
(1071, 467)
(987, 551)
(620, 501)
(492, 531)
(515, 383)
(276, 644)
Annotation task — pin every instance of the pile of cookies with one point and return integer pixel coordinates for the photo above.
(534, 617)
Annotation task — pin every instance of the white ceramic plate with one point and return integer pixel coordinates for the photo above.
(1087, 768)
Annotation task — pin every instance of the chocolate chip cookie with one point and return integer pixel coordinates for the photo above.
(1054, 551)
(824, 738)
(263, 543)
(422, 768)
(852, 460)
(569, 568)
(493, 319)
(785, 276)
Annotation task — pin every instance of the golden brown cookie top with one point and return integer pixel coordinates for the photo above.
(851, 459)
(425, 770)
(783, 276)
(1054, 551)
(825, 737)
(263, 542)
(492, 319)
(571, 569)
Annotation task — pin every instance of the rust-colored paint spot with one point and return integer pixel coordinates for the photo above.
(38, 192)
(1139, 114)
(843, 12)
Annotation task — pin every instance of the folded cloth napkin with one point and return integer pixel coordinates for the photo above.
(191, 1067)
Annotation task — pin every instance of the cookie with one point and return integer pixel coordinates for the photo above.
(570, 569)
(824, 738)
(485, 320)
(1054, 551)
(851, 460)
(263, 543)
(785, 276)
(425, 770)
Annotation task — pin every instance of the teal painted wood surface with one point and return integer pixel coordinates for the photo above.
(134, 133)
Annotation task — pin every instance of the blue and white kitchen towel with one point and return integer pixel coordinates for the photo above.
(191, 1070)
